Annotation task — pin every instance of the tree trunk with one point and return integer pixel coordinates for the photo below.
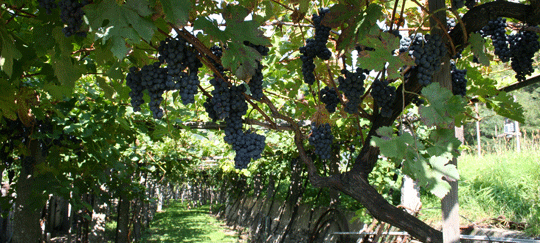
(358, 188)
(28, 205)
(122, 224)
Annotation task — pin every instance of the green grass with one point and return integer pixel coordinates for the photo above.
(503, 184)
(179, 224)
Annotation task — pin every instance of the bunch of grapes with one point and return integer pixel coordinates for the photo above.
(255, 84)
(72, 14)
(329, 96)
(428, 51)
(496, 29)
(459, 83)
(353, 88)
(321, 138)
(249, 147)
(221, 99)
(134, 82)
(154, 78)
(182, 67)
(315, 47)
(263, 50)
(48, 5)
(523, 46)
(384, 95)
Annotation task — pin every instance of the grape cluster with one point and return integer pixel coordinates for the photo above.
(353, 88)
(263, 50)
(134, 82)
(48, 5)
(221, 99)
(315, 47)
(384, 95)
(255, 84)
(523, 46)
(72, 14)
(496, 29)
(428, 51)
(182, 67)
(228, 103)
(321, 138)
(329, 96)
(154, 79)
(459, 83)
(249, 147)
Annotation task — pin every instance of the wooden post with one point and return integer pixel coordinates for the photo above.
(449, 203)
(479, 142)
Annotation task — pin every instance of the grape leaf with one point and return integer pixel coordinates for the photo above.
(8, 53)
(442, 108)
(431, 173)
(122, 23)
(384, 46)
(505, 105)
(7, 97)
(176, 11)
(393, 146)
(477, 47)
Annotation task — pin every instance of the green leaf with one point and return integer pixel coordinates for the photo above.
(176, 11)
(443, 106)
(477, 47)
(384, 46)
(109, 91)
(9, 51)
(7, 100)
(140, 6)
(367, 24)
(393, 146)
(123, 22)
(505, 105)
(431, 173)
(241, 59)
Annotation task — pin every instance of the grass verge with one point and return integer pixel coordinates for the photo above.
(180, 224)
(502, 184)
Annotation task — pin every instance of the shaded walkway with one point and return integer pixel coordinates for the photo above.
(177, 223)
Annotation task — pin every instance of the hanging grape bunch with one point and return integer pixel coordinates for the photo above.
(315, 47)
(321, 138)
(496, 30)
(353, 88)
(182, 67)
(48, 5)
(459, 83)
(329, 96)
(427, 51)
(72, 14)
(384, 95)
(255, 84)
(523, 46)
